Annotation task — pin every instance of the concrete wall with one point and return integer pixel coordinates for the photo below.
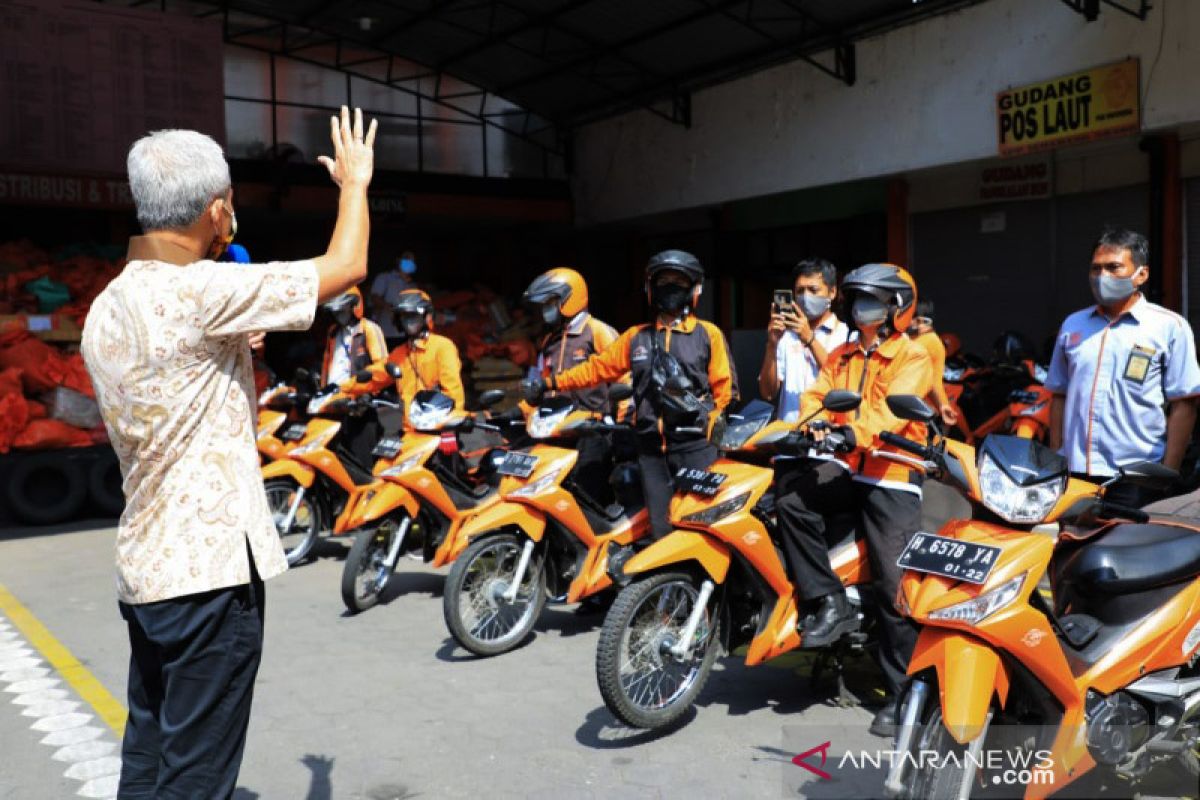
(925, 97)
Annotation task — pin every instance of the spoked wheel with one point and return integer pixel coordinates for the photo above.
(371, 561)
(299, 528)
(947, 776)
(482, 613)
(645, 680)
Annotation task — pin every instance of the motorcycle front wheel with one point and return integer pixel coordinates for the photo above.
(643, 683)
(479, 613)
(371, 562)
(305, 525)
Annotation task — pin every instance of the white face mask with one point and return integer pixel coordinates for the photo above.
(867, 310)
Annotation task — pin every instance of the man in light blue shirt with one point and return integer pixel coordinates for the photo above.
(1124, 372)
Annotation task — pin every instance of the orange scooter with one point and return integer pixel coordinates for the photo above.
(718, 580)
(1108, 676)
(421, 483)
(547, 537)
(278, 405)
(312, 487)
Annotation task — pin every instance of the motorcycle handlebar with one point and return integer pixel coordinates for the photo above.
(908, 445)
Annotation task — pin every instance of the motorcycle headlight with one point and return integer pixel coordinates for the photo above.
(543, 425)
(737, 434)
(1011, 501)
(1040, 373)
(404, 466)
(318, 403)
(974, 611)
(314, 445)
(1033, 410)
(424, 418)
(542, 484)
(714, 513)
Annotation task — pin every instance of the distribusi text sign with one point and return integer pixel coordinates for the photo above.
(1091, 104)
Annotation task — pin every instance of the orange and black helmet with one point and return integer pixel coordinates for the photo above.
(564, 285)
(347, 307)
(890, 285)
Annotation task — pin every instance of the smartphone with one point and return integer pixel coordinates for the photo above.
(784, 301)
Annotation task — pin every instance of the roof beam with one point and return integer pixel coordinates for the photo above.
(532, 22)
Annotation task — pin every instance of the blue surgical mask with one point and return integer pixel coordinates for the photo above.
(814, 306)
(1110, 290)
(408, 266)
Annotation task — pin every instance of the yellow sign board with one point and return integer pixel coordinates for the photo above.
(1092, 104)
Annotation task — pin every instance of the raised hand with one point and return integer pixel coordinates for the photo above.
(353, 161)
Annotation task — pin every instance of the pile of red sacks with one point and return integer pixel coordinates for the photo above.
(84, 276)
(468, 318)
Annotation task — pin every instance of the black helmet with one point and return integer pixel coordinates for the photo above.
(890, 285)
(1011, 347)
(413, 301)
(676, 261)
(346, 308)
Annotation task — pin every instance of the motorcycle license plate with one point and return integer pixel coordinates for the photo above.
(294, 433)
(387, 447)
(699, 481)
(939, 555)
(518, 465)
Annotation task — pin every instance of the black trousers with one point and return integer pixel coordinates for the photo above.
(658, 486)
(887, 519)
(593, 468)
(191, 680)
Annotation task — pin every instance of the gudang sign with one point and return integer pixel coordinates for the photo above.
(1091, 104)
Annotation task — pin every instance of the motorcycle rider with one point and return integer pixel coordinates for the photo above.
(886, 495)
(352, 344)
(428, 360)
(572, 336)
(682, 381)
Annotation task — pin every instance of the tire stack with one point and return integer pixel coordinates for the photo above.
(49, 487)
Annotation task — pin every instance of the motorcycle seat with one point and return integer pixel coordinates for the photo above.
(1133, 558)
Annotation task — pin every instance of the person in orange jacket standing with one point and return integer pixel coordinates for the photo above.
(883, 361)
(427, 360)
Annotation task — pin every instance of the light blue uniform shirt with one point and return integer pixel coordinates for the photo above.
(1118, 378)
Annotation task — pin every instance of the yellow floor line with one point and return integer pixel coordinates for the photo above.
(85, 684)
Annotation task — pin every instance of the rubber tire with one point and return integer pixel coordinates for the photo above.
(359, 551)
(451, 594)
(107, 498)
(301, 551)
(608, 655)
(34, 468)
(930, 783)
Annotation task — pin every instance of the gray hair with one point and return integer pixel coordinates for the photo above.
(174, 175)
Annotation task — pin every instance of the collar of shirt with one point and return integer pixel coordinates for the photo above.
(888, 348)
(577, 323)
(1137, 311)
(685, 325)
(155, 248)
(830, 324)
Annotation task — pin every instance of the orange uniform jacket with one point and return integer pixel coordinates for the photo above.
(430, 362)
(700, 349)
(937, 355)
(368, 351)
(895, 366)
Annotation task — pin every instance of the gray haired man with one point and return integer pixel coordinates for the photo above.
(167, 344)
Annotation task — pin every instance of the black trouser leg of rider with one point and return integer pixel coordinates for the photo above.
(658, 485)
(593, 468)
(806, 492)
(360, 435)
(889, 518)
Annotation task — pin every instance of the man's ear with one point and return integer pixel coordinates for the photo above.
(1145, 270)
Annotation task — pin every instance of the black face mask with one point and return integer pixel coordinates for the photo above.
(670, 297)
(551, 316)
(413, 325)
(344, 317)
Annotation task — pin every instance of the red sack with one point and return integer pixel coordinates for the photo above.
(14, 415)
(77, 377)
(10, 381)
(521, 352)
(43, 366)
(36, 410)
(49, 434)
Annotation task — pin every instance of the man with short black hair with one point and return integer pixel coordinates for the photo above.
(1116, 366)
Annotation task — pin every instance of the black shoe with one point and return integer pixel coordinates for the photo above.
(833, 620)
(884, 723)
(596, 604)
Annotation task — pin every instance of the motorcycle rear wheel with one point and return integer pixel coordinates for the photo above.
(642, 683)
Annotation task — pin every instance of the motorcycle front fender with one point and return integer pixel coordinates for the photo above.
(287, 468)
(681, 546)
(969, 673)
(382, 498)
(530, 521)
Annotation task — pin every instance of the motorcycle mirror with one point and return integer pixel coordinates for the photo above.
(841, 401)
(910, 407)
(393, 370)
(363, 376)
(490, 397)
(619, 392)
(1149, 474)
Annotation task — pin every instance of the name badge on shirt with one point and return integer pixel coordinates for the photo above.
(1139, 363)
